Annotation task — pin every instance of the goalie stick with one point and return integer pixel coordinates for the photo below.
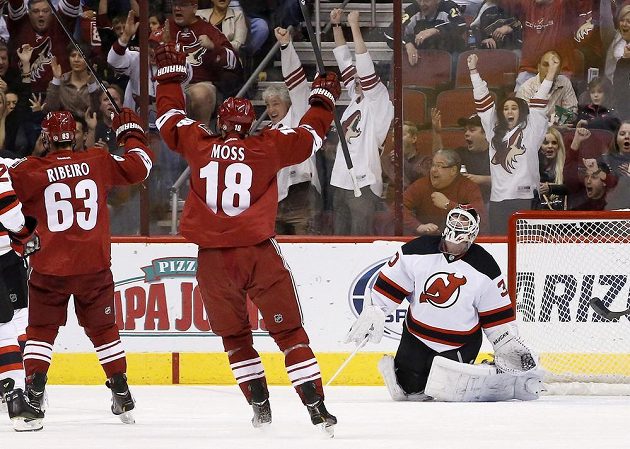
(599, 307)
(87, 62)
(322, 70)
(343, 365)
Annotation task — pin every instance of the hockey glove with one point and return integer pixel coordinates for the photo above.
(325, 90)
(171, 63)
(126, 124)
(511, 355)
(26, 241)
(371, 323)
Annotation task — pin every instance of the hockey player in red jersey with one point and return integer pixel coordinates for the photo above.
(456, 290)
(230, 213)
(66, 192)
(18, 239)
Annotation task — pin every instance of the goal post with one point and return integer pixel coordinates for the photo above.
(558, 262)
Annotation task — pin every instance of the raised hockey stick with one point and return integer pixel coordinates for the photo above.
(343, 365)
(599, 307)
(322, 70)
(87, 62)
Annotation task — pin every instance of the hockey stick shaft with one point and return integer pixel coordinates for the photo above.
(345, 363)
(322, 70)
(599, 307)
(87, 62)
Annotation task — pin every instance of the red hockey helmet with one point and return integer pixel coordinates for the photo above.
(236, 114)
(59, 126)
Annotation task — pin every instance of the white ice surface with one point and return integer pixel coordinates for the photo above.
(211, 417)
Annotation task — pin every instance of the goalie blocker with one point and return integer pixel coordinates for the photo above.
(456, 290)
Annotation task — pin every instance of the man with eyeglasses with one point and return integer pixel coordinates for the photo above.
(215, 64)
(428, 200)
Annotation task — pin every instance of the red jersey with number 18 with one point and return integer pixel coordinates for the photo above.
(67, 193)
(233, 190)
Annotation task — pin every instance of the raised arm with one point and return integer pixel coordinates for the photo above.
(335, 19)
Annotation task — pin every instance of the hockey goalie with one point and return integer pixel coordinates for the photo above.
(458, 293)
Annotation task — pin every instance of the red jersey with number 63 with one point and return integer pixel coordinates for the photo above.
(234, 194)
(67, 193)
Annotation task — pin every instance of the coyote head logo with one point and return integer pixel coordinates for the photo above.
(350, 126)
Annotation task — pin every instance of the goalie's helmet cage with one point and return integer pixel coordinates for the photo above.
(59, 126)
(462, 225)
(236, 114)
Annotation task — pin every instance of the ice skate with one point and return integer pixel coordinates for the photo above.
(36, 390)
(320, 417)
(24, 416)
(122, 401)
(260, 404)
(262, 414)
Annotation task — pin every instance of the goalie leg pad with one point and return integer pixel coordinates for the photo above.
(388, 370)
(451, 381)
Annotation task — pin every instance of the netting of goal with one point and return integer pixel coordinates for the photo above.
(557, 263)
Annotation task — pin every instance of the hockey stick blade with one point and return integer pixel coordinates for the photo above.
(598, 306)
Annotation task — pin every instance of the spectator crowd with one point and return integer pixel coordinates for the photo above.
(551, 134)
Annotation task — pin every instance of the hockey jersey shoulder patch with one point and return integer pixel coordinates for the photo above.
(426, 244)
(482, 261)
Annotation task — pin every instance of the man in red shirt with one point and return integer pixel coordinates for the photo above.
(230, 213)
(214, 62)
(37, 27)
(66, 192)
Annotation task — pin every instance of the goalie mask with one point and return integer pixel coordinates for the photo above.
(460, 230)
(58, 127)
(236, 114)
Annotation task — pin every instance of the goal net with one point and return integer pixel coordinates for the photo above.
(558, 263)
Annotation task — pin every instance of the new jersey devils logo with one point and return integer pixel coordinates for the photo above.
(442, 289)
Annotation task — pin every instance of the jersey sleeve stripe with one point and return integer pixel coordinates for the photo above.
(348, 74)
(538, 103)
(294, 78)
(167, 115)
(8, 204)
(369, 82)
(498, 316)
(438, 335)
(390, 289)
(484, 104)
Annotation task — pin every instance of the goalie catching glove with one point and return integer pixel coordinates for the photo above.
(25, 241)
(325, 90)
(511, 355)
(126, 124)
(171, 63)
(371, 323)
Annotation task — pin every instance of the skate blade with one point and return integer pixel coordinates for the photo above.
(127, 417)
(261, 425)
(27, 425)
(327, 429)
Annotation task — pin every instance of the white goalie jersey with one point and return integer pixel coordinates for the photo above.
(451, 298)
(11, 216)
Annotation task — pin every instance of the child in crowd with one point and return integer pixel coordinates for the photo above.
(597, 113)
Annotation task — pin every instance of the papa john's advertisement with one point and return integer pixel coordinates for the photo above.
(159, 306)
